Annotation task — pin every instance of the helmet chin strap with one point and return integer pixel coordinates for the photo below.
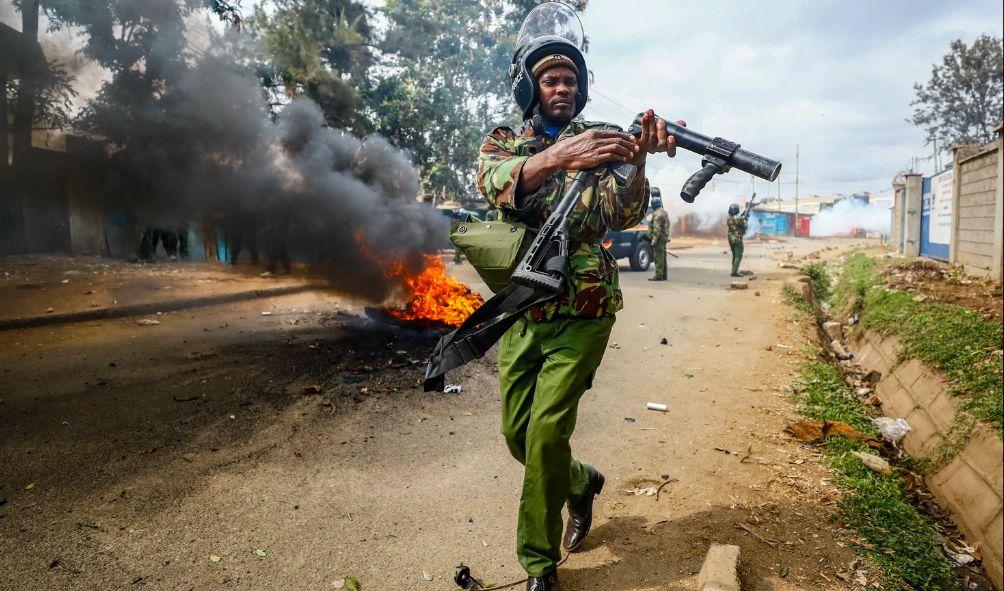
(537, 121)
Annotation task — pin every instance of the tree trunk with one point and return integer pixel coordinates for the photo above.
(24, 108)
(4, 141)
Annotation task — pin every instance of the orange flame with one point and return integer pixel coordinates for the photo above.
(435, 295)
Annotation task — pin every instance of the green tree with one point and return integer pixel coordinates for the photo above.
(53, 98)
(962, 101)
(443, 83)
(320, 49)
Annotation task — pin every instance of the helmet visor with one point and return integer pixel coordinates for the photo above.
(551, 19)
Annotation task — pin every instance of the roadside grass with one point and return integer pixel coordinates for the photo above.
(819, 279)
(795, 300)
(895, 535)
(955, 340)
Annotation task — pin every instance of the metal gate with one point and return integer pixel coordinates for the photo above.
(936, 215)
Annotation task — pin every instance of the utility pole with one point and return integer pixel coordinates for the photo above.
(779, 193)
(796, 188)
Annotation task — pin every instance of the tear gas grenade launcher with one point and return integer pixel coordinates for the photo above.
(720, 155)
(544, 267)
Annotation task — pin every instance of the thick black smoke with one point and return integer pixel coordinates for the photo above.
(207, 152)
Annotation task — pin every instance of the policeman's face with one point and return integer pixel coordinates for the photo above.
(559, 88)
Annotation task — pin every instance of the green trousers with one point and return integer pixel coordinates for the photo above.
(544, 367)
(737, 255)
(659, 256)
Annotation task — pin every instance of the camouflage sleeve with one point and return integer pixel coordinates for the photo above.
(499, 168)
(623, 206)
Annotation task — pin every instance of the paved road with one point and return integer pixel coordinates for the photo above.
(132, 454)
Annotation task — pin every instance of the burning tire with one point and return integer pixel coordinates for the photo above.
(641, 258)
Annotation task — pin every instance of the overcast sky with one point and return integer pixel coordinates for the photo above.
(835, 77)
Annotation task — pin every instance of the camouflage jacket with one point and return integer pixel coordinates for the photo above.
(593, 290)
(658, 229)
(737, 228)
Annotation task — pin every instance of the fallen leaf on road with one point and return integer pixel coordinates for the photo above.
(818, 431)
(214, 558)
(352, 584)
(260, 553)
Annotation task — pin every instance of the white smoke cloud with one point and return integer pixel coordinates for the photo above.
(849, 214)
(709, 209)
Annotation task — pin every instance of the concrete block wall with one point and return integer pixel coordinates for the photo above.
(976, 231)
(978, 209)
(971, 486)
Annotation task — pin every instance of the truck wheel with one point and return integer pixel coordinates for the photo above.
(641, 258)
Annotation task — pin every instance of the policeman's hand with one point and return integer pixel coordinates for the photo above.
(654, 137)
(591, 149)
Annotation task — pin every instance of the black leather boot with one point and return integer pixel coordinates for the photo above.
(580, 517)
(547, 582)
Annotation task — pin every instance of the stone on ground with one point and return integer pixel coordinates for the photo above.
(720, 569)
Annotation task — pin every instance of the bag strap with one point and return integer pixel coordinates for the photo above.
(485, 326)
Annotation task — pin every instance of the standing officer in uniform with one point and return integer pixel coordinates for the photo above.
(547, 360)
(658, 233)
(737, 228)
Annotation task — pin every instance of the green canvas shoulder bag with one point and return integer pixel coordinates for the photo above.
(494, 248)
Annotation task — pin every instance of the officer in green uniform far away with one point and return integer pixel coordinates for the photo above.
(737, 228)
(547, 360)
(658, 233)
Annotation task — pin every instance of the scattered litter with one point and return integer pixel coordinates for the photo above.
(49, 310)
(260, 553)
(147, 322)
(962, 559)
(266, 313)
(892, 430)
(657, 406)
(452, 389)
(628, 420)
(818, 431)
(614, 346)
(65, 281)
(648, 491)
(919, 297)
(863, 391)
(783, 346)
(688, 375)
(426, 575)
(29, 486)
(177, 398)
(663, 341)
(840, 351)
(873, 462)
